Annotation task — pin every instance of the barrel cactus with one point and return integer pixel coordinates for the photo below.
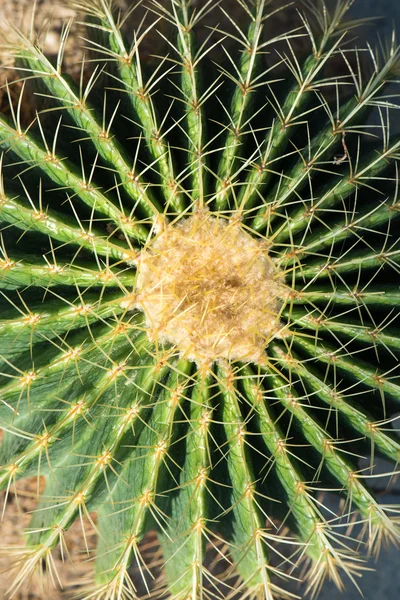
(198, 269)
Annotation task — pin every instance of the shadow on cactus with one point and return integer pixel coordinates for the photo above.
(199, 301)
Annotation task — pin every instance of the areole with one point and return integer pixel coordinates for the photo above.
(209, 288)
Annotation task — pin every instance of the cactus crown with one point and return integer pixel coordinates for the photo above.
(198, 315)
(209, 288)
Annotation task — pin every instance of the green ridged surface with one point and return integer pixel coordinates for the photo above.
(232, 458)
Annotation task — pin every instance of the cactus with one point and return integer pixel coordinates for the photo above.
(198, 307)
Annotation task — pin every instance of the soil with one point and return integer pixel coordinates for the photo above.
(72, 571)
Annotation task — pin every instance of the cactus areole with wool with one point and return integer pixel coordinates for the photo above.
(210, 289)
(199, 300)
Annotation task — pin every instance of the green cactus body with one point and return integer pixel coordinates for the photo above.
(198, 302)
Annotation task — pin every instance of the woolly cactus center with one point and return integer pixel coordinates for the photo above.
(209, 288)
